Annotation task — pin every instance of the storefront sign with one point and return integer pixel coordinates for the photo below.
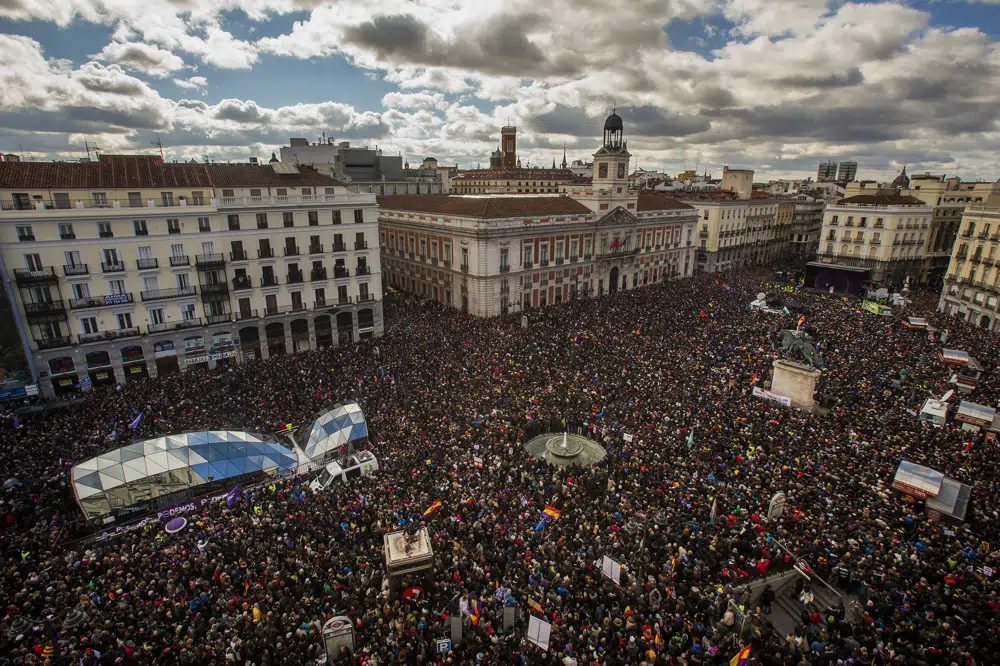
(163, 349)
(65, 381)
(367, 329)
(136, 369)
(18, 392)
(770, 395)
(101, 376)
(205, 358)
(117, 299)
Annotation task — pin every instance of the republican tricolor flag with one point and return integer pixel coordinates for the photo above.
(474, 610)
(552, 512)
(742, 657)
(802, 320)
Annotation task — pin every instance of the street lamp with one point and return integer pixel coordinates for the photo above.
(20, 624)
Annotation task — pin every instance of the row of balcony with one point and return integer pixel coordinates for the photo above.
(65, 203)
(195, 322)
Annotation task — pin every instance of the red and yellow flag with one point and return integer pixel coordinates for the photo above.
(432, 507)
(552, 512)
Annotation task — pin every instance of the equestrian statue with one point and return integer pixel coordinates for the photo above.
(797, 346)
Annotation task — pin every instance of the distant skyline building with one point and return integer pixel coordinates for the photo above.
(508, 146)
(827, 172)
(847, 172)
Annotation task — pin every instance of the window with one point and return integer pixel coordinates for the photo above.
(124, 320)
(173, 226)
(110, 256)
(116, 287)
(183, 281)
(359, 241)
(24, 233)
(287, 219)
(271, 303)
(156, 317)
(228, 194)
(504, 258)
(559, 251)
(140, 227)
(150, 283)
(313, 218)
(336, 217)
(465, 257)
(81, 290)
(167, 198)
(66, 231)
(261, 221)
(572, 249)
(363, 290)
(100, 199)
(319, 297)
(188, 312)
(89, 325)
(307, 191)
(198, 198)
(281, 192)
(72, 257)
(359, 217)
(33, 262)
(255, 193)
(234, 222)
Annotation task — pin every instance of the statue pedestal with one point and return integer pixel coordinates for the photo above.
(797, 381)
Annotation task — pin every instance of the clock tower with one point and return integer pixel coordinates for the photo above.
(610, 188)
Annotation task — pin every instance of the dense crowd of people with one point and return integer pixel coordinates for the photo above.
(681, 502)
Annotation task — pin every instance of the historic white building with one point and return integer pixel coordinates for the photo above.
(492, 255)
(129, 267)
(886, 232)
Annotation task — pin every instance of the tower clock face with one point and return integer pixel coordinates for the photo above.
(602, 170)
(621, 170)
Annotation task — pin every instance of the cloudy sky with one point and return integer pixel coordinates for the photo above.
(774, 85)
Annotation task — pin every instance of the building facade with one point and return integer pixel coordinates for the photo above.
(512, 181)
(343, 161)
(807, 224)
(847, 172)
(948, 198)
(826, 172)
(492, 255)
(885, 232)
(739, 181)
(972, 284)
(734, 233)
(129, 267)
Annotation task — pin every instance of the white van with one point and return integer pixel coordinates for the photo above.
(363, 463)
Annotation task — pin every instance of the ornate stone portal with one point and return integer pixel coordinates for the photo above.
(797, 381)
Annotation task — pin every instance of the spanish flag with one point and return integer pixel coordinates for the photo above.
(741, 658)
(432, 507)
(753, 379)
(552, 512)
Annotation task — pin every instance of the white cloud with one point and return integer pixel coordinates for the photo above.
(427, 100)
(147, 58)
(192, 83)
(798, 80)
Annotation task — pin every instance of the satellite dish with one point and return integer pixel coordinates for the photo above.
(947, 396)
(761, 296)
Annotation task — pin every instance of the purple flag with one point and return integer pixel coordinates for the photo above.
(234, 495)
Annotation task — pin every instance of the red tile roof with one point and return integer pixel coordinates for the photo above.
(109, 172)
(650, 201)
(883, 200)
(514, 174)
(483, 207)
(246, 175)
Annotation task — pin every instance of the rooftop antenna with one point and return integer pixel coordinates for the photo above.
(86, 144)
(158, 144)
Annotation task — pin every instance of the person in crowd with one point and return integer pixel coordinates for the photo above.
(681, 503)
